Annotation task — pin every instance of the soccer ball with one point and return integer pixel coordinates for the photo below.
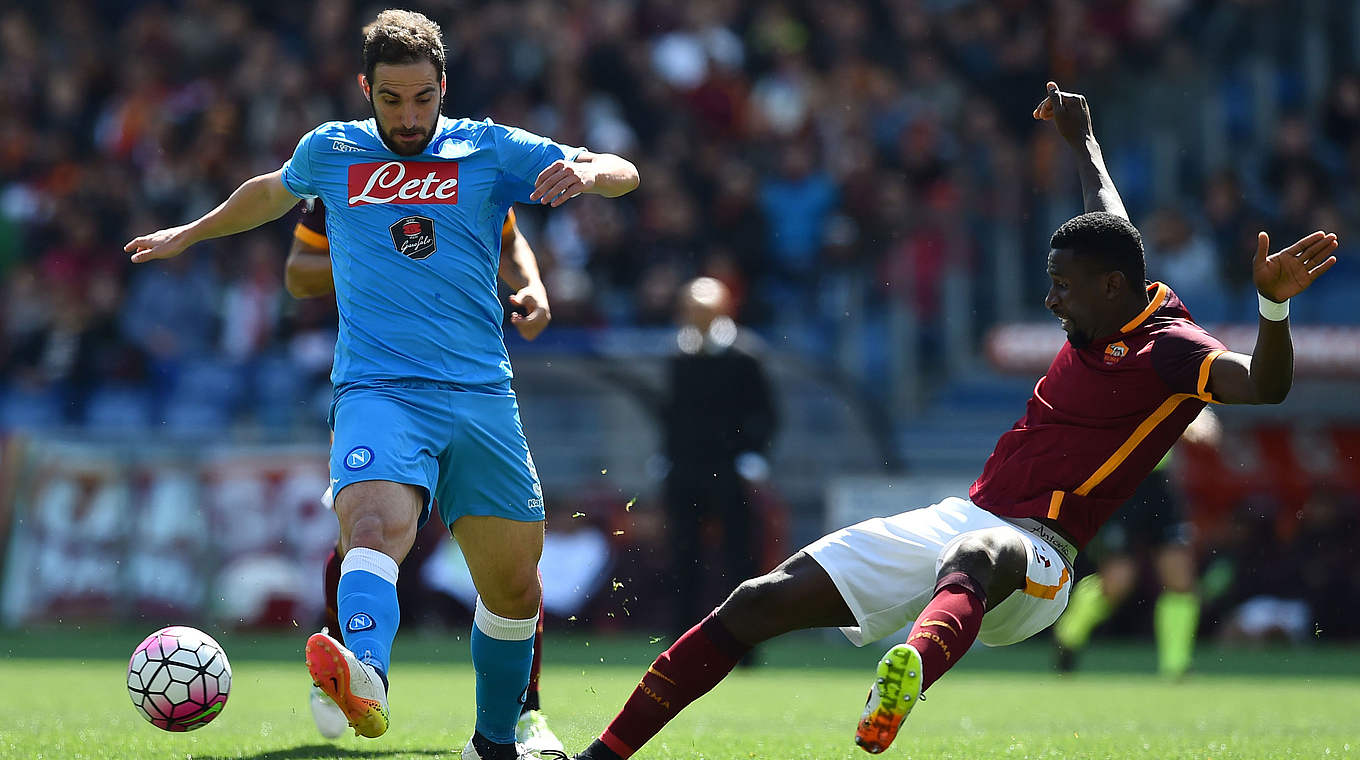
(179, 678)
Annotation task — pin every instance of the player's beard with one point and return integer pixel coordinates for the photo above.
(1078, 339)
(429, 131)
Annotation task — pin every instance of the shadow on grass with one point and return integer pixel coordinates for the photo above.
(317, 751)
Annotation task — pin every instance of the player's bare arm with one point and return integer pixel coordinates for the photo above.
(597, 173)
(307, 273)
(258, 200)
(1266, 375)
(1071, 114)
(519, 270)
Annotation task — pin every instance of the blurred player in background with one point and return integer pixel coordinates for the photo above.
(423, 415)
(1153, 521)
(719, 418)
(998, 566)
(308, 275)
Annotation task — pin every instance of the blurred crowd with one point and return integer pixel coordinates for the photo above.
(835, 164)
(830, 162)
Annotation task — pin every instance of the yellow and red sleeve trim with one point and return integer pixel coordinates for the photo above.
(508, 229)
(311, 237)
(1202, 387)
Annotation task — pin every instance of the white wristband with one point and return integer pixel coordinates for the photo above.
(1275, 312)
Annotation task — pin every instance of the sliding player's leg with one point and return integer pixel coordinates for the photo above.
(975, 567)
(933, 566)
(798, 594)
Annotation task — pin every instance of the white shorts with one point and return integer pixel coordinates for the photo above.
(885, 569)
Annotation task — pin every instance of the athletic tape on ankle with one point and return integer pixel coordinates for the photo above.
(505, 629)
(1275, 311)
(370, 561)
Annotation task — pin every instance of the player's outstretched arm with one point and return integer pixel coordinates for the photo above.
(258, 200)
(1070, 113)
(519, 270)
(1266, 376)
(598, 173)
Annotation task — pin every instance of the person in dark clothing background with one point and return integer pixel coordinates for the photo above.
(719, 419)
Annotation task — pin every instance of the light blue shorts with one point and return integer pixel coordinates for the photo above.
(464, 446)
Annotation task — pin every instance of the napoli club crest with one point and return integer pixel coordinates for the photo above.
(413, 237)
(358, 458)
(360, 621)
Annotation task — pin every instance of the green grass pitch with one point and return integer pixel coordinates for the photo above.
(63, 697)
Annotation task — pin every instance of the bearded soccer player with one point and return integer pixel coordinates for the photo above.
(997, 566)
(423, 414)
(308, 275)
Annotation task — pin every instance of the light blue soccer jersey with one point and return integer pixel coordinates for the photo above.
(415, 244)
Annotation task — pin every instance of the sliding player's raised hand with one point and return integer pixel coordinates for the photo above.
(1068, 111)
(1281, 276)
(162, 244)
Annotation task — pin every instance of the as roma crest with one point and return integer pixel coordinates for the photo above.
(1114, 352)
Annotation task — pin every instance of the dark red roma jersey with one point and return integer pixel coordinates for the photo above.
(1100, 420)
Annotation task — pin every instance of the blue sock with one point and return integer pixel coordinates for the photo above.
(502, 653)
(368, 610)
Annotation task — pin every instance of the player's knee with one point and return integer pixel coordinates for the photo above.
(756, 609)
(367, 531)
(515, 595)
(973, 553)
(996, 558)
(749, 599)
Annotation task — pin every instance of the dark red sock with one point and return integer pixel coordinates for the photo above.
(531, 696)
(948, 625)
(331, 619)
(688, 670)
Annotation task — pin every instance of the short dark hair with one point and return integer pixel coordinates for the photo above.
(398, 36)
(1106, 240)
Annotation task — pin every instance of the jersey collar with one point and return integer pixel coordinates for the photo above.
(1157, 298)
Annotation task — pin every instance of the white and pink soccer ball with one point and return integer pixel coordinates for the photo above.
(179, 678)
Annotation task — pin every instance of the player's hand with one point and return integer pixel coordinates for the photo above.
(533, 301)
(162, 244)
(562, 181)
(1283, 275)
(1069, 113)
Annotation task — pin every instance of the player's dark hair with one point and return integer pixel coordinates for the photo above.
(1106, 240)
(398, 36)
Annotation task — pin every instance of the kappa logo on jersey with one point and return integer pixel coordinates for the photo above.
(1114, 352)
(343, 146)
(403, 182)
(360, 621)
(358, 458)
(413, 237)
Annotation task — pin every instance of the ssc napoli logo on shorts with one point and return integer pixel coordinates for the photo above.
(358, 458)
(359, 621)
